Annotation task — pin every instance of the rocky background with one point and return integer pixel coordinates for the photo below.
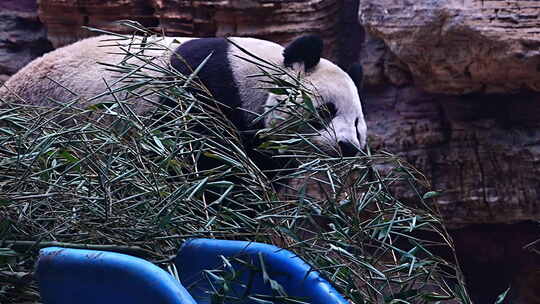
(452, 86)
(22, 36)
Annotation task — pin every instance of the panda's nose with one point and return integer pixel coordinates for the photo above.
(347, 149)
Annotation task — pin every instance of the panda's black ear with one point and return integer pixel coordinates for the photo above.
(306, 49)
(356, 72)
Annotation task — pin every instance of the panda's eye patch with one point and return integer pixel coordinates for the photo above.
(325, 114)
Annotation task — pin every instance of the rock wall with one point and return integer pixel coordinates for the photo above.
(461, 46)
(453, 87)
(22, 35)
(462, 108)
(481, 151)
(66, 19)
(275, 20)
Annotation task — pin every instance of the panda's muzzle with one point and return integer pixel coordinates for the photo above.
(347, 148)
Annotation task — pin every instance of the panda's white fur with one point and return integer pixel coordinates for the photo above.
(74, 67)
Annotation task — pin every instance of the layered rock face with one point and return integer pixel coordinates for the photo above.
(482, 151)
(453, 87)
(275, 20)
(66, 19)
(464, 46)
(22, 35)
(483, 147)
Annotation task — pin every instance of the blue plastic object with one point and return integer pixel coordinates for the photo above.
(280, 266)
(77, 276)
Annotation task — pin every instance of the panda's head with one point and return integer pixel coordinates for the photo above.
(336, 97)
(229, 77)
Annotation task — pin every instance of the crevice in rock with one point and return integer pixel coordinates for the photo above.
(476, 147)
(493, 258)
(351, 34)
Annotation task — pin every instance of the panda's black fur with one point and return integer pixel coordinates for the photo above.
(216, 74)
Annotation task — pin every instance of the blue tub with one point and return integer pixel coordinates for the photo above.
(220, 270)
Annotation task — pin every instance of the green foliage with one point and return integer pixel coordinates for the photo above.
(103, 174)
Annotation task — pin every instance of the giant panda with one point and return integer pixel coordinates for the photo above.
(226, 75)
